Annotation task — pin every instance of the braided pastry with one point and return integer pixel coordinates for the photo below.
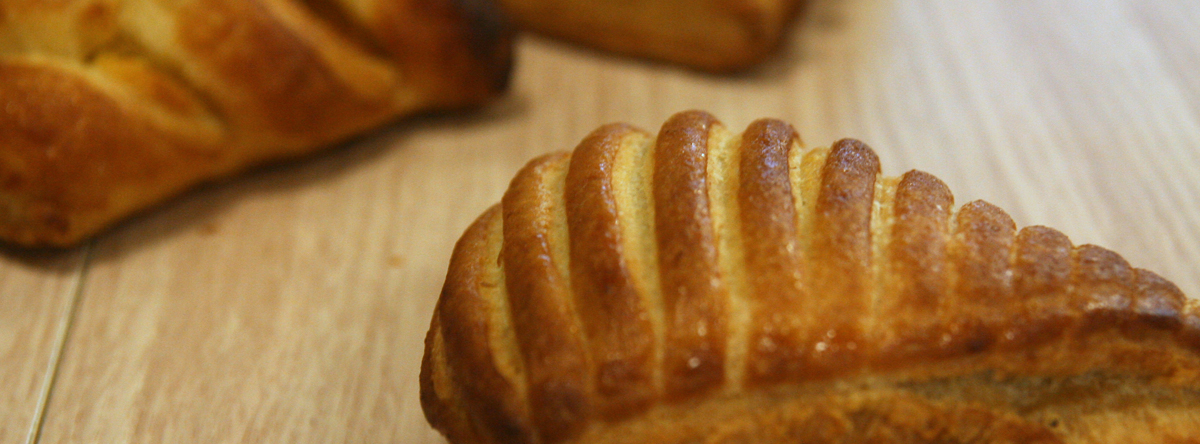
(109, 106)
(705, 287)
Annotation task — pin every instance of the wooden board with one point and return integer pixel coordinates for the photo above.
(290, 305)
(37, 291)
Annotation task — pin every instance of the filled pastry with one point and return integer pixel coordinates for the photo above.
(703, 286)
(109, 106)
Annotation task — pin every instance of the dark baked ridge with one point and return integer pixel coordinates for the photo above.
(112, 105)
(643, 290)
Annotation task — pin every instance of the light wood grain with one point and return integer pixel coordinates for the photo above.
(36, 296)
(285, 308)
(290, 305)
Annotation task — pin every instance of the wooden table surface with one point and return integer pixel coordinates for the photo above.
(290, 304)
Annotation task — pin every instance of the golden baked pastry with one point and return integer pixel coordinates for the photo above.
(108, 106)
(706, 287)
(714, 35)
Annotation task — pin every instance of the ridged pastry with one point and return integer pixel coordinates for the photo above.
(714, 35)
(109, 106)
(706, 287)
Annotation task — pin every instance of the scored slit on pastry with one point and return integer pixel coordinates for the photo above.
(111, 106)
(704, 286)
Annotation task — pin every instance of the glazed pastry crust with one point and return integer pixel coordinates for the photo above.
(113, 105)
(703, 286)
(713, 35)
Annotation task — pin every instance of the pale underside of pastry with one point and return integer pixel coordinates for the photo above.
(701, 286)
(714, 35)
(109, 106)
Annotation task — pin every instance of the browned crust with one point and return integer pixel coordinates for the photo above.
(1158, 303)
(840, 260)
(979, 251)
(213, 87)
(615, 320)
(694, 292)
(969, 331)
(460, 51)
(1042, 277)
(268, 75)
(557, 361)
(1103, 284)
(69, 154)
(765, 25)
(503, 416)
(918, 275)
(919, 238)
(442, 406)
(1189, 334)
(265, 75)
(712, 35)
(774, 260)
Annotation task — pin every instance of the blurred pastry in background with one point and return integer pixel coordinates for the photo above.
(712, 35)
(110, 106)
